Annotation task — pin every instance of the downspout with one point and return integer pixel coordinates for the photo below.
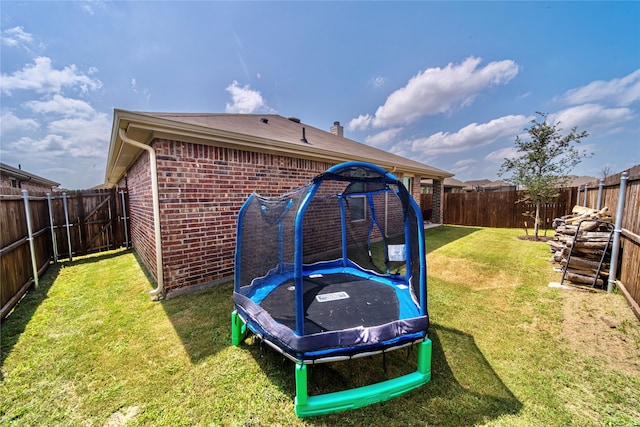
(159, 290)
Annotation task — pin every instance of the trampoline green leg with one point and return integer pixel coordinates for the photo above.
(301, 386)
(238, 328)
(424, 358)
(307, 406)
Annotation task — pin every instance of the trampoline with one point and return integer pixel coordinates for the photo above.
(331, 271)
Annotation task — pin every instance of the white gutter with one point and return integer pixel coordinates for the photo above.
(156, 209)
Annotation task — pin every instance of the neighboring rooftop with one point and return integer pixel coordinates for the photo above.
(448, 182)
(485, 184)
(20, 176)
(580, 181)
(480, 184)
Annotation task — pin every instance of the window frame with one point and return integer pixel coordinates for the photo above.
(353, 208)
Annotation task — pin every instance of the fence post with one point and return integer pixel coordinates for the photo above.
(53, 231)
(66, 220)
(599, 202)
(577, 197)
(613, 270)
(124, 218)
(586, 186)
(27, 211)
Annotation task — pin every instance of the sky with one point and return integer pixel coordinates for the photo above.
(449, 84)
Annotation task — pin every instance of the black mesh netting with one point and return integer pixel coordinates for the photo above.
(375, 211)
(348, 215)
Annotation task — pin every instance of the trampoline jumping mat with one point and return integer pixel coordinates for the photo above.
(334, 302)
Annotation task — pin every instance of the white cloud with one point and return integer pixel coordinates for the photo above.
(498, 156)
(471, 136)
(404, 150)
(59, 104)
(463, 165)
(590, 116)
(438, 90)
(42, 78)
(378, 81)
(49, 145)
(245, 100)
(18, 37)
(622, 91)
(361, 122)
(68, 139)
(9, 122)
(383, 137)
(91, 6)
(142, 91)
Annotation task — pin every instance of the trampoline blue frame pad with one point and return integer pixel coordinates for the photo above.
(381, 312)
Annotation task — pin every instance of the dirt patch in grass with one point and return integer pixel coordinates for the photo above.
(533, 238)
(602, 326)
(122, 417)
(465, 271)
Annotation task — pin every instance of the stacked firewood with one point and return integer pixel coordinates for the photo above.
(580, 241)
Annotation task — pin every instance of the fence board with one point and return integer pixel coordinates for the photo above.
(500, 210)
(629, 267)
(96, 224)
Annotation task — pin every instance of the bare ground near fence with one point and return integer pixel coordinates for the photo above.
(502, 210)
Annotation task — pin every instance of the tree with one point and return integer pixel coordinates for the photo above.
(546, 159)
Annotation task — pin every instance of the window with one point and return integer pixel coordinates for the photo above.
(407, 181)
(357, 207)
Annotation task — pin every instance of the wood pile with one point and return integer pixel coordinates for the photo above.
(580, 240)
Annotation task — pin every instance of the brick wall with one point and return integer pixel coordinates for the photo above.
(201, 190)
(437, 206)
(8, 182)
(138, 183)
(415, 190)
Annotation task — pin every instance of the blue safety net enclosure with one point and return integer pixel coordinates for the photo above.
(335, 270)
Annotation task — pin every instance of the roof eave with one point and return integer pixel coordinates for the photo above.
(26, 176)
(146, 127)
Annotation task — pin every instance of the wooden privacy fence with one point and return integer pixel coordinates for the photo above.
(38, 228)
(499, 209)
(607, 193)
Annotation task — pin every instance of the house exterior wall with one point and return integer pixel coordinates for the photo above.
(415, 189)
(7, 181)
(201, 190)
(437, 207)
(138, 184)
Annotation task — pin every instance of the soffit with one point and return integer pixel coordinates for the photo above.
(262, 133)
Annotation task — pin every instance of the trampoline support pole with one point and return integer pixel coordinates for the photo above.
(238, 329)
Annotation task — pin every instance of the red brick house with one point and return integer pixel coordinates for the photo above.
(18, 178)
(187, 176)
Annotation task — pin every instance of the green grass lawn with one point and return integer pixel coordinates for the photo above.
(89, 347)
